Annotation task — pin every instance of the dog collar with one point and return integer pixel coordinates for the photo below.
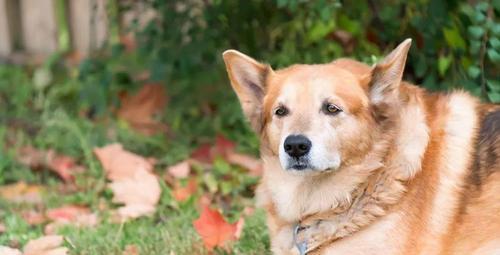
(302, 247)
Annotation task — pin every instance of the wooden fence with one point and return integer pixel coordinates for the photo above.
(41, 27)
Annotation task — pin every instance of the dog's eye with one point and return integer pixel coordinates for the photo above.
(331, 109)
(281, 111)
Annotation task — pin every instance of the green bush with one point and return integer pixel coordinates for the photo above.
(456, 44)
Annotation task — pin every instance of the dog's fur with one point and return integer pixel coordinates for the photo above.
(398, 170)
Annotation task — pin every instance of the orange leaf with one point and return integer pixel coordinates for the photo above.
(213, 229)
(21, 192)
(183, 193)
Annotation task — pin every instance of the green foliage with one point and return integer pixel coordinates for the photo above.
(456, 45)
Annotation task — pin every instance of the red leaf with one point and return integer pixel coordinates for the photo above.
(67, 213)
(206, 153)
(223, 146)
(202, 154)
(213, 229)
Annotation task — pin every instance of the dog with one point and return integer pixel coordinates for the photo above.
(358, 161)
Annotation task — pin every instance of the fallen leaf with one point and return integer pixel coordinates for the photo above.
(21, 192)
(139, 109)
(239, 228)
(46, 245)
(204, 200)
(202, 154)
(223, 145)
(183, 193)
(120, 164)
(75, 215)
(66, 213)
(131, 250)
(213, 229)
(2, 228)
(252, 164)
(132, 181)
(33, 217)
(4, 250)
(206, 153)
(180, 170)
(62, 165)
(140, 194)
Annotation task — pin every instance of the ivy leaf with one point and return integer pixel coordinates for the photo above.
(493, 56)
(453, 38)
(495, 43)
(494, 85)
(443, 64)
(476, 31)
(494, 97)
(474, 71)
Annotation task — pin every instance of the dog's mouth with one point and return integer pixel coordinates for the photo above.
(298, 164)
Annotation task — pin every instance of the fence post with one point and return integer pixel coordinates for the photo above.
(88, 22)
(6, 40)
(38, 21)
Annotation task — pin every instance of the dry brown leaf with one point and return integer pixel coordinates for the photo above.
(132, 181)
(180, 170)
(120, 164)
(46, 245)
(140, 194)
(62, 165)
(139, 109)
(33, 217)
(22, 193)
(4, 250)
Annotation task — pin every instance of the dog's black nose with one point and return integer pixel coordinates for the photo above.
(297, 145)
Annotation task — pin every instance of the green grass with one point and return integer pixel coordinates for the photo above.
(72, 114)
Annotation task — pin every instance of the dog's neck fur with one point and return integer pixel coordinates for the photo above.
(379, 182)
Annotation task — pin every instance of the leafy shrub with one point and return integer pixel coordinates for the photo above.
(456, 44)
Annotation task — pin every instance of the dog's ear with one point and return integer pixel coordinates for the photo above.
(387, 75)
(248, 79)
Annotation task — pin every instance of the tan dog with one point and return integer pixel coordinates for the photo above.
(358, 161)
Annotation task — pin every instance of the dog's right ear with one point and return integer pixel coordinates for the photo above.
(248, 79)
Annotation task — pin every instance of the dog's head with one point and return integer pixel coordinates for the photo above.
(317, 118)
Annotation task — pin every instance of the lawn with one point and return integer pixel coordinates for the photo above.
(58, 108)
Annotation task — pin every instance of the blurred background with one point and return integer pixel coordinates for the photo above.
(79, 75)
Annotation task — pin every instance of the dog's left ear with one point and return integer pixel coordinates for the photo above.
(248, 79)
(387, 75)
